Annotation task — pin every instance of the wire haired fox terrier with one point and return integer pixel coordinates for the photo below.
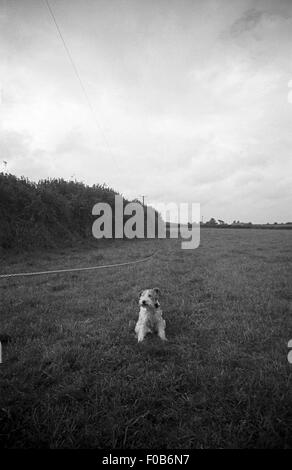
(150, 316)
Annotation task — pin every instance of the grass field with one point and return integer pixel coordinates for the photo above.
(73, 374)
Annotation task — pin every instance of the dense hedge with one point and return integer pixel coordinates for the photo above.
(48, 213)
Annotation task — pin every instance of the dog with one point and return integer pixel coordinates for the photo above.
(150, 315)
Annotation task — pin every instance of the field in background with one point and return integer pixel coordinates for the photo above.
(74, 376)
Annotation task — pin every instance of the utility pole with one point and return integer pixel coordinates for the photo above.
(143, 198)
(5, 167)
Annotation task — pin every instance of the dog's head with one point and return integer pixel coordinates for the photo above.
(150, 298)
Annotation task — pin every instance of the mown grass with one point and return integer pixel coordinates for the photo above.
(74, 376)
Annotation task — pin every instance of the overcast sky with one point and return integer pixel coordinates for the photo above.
(191, 99)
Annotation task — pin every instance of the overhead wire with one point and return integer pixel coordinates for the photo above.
(75, 69)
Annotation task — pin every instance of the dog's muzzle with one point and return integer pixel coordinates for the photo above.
(144, 303)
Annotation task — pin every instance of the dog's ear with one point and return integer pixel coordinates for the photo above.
(157, 291)
(140, 293)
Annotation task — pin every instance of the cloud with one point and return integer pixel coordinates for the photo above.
(189, 99)
(247, 22)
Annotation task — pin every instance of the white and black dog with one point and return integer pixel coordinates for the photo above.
(150, 315)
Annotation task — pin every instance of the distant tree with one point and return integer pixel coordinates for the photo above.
(212, 221)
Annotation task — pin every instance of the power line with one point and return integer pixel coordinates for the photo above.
(78, 77)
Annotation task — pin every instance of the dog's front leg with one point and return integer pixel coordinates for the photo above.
(141, 326)
(141, 334)
(161, 330)
(141, 331)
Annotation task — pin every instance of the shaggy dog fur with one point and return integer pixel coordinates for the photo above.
(150, 316)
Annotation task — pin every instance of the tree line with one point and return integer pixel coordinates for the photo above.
(49, 212)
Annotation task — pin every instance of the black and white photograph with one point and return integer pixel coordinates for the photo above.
(145, 227)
